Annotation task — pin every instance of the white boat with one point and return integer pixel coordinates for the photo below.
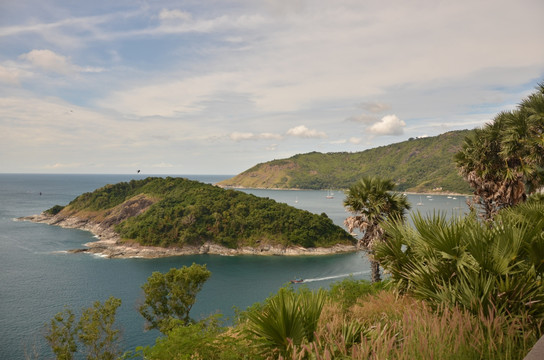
(420, 203)
(330, 195)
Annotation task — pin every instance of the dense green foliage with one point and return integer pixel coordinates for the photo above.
(287, 318)
(61, 335)
(373, 324)
(188, 212)
(54, 210)
(478, 266)
(504, 161)
(95, 331)
(421, 164)
(169, 297)
(348, 291)
(205, 340)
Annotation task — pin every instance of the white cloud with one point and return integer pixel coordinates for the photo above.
(303, 132)
(240, 136)
(174, 15)
(9, 75)
(364, 118)
(270, 136)
(388, 125)
(375, 107)
(354, 140)
(50, 61)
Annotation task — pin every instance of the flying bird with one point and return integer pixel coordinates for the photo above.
(138, 171)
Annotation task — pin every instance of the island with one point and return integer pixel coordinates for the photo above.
(159, 217)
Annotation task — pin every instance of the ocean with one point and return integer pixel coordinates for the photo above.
(38, 278)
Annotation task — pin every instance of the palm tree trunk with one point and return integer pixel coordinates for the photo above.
(375, 268)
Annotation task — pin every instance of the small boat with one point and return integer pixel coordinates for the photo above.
(330, 195)
(297, 281)
(420, 203)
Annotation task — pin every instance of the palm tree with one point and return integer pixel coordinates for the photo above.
(372, 201)
(504, 161)
(523, 140)
(481, 163)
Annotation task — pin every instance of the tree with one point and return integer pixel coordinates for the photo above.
(169, 297)
(372, 201)
(61, 335)
(504, 161)
(97, 332)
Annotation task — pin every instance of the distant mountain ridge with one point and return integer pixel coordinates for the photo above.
(418, 165)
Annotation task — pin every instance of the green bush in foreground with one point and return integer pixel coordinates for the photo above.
(287, 318)
(478, 266)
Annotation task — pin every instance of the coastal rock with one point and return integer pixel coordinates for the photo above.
(109, 243)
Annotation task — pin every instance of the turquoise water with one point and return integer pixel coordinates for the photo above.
(37, 279)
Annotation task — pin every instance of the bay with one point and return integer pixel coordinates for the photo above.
(38, 278)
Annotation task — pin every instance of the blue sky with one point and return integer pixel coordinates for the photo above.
(215, 87)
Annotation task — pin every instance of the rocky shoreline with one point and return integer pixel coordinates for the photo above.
(109, 243)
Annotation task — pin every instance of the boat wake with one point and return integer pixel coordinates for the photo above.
(336, 276)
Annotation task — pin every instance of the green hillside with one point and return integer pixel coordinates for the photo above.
(419, 165)
(175, 212)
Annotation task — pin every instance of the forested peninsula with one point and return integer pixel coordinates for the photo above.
(157, 217)
(416, 165)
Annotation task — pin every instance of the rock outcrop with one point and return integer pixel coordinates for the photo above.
(110, 245)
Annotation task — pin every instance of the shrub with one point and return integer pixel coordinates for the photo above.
(480, 267)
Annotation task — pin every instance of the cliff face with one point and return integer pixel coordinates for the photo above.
(107, 218)
(418, 165)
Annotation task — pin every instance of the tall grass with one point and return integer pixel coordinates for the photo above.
(406, 328)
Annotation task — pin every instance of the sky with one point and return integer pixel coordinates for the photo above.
(216, 87)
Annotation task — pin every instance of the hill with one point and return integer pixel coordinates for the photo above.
(418, 165)
(176, 212)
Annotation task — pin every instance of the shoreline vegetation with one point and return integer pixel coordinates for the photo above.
(162, 217)
(111, 246)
